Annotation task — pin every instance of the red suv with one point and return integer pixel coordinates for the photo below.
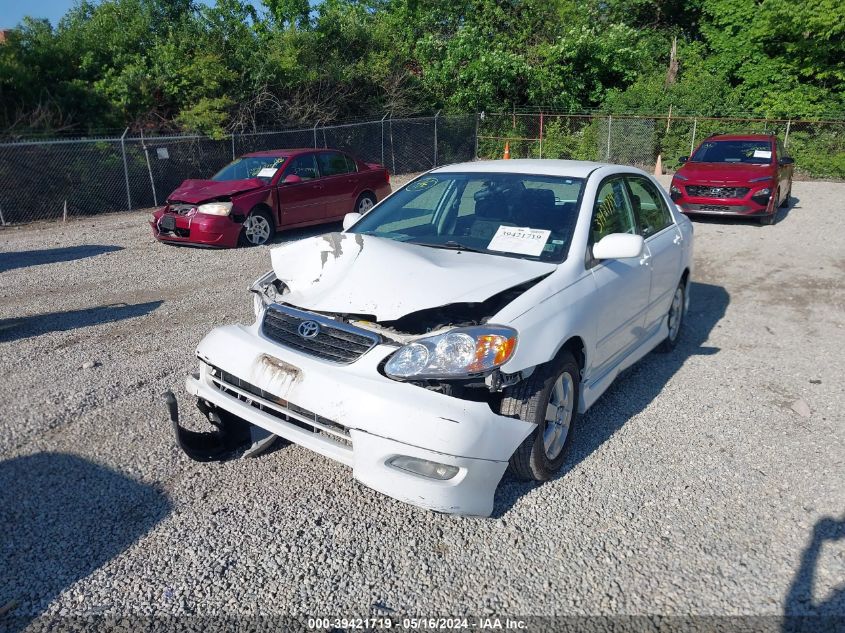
(252, 197)
(747, 175)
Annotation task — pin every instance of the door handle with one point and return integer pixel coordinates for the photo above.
(645, 259)
(678, 239)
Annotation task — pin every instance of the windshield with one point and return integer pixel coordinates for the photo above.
(263, 167)
(512, 215)
(749, 152)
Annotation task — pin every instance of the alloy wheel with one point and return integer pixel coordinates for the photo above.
(559, 415)
(676, 313)
(365, 205)
(256, 229)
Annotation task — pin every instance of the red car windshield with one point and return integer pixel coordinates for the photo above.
(264, 167)
(749, 152)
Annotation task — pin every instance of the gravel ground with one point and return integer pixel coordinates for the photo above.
(693, 487)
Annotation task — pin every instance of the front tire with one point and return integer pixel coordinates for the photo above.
(549, 399)
(766, 220)
(258, 229)
(785, 203)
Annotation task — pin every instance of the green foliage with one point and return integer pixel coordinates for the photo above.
(179, 64)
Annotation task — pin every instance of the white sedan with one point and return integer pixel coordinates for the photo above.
(456, 330)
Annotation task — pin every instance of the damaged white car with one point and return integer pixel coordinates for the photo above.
(457, 329)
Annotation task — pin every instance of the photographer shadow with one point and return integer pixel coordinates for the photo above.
(640, 385)
(801, 613)
(61, 518)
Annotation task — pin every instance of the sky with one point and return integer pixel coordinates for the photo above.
(12, 11)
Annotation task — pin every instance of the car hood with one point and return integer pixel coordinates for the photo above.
(351, 273)
(195, 191)
(723, 173)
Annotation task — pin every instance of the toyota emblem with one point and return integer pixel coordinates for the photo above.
(308, 329)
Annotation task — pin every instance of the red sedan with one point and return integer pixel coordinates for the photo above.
(258, 194)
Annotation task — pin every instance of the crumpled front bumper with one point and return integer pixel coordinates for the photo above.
(198, 229)
(353, 414)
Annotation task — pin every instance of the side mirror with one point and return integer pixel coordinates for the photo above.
(683, 159)
(786, 160)
(291, 179)
(349, 219)
(618, 246)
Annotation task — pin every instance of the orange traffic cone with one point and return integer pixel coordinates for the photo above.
(658, 166)
(507, 155)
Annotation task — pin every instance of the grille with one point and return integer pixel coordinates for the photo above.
(335, 341)
(278, 407)
(701, 191)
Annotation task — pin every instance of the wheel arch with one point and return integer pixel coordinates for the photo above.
(576, 346)
(263, 206)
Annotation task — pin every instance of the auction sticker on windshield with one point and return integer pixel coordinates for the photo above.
(519, 239)
(267, 172)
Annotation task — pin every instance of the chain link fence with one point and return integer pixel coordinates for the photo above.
(817, 146)
(52, 179)
(55, 179)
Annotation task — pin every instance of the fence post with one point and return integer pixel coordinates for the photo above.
(541, 135)
(233, 145)
(315, 134)
(477, 119)
(692, 140)
(382, 139)
(392, 148)
(435, 137)
(786, 136)
(125, 169)
(2, 219)
(149, 168)
(609, 123)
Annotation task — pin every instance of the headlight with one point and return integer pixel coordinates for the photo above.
(215, 208)
(680, 177)
(459, 353)
(675, 190)
(264, 292)
(762, 196)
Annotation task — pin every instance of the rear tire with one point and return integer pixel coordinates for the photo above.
(258, 229)
(549, 399)
(676, 319)
(364, 203)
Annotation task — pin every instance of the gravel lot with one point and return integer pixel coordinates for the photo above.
(693, 487)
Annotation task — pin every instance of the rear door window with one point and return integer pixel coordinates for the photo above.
(332, 164)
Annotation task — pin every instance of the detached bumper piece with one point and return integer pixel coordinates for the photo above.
(230, 434)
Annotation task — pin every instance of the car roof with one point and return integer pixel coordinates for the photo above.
(740, 137)
(536, 166)
(295, 151)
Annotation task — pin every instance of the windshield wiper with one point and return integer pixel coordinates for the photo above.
(452, 246)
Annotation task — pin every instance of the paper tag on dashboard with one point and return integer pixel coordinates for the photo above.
(267, 172)
(519, 239)
(762, 153)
